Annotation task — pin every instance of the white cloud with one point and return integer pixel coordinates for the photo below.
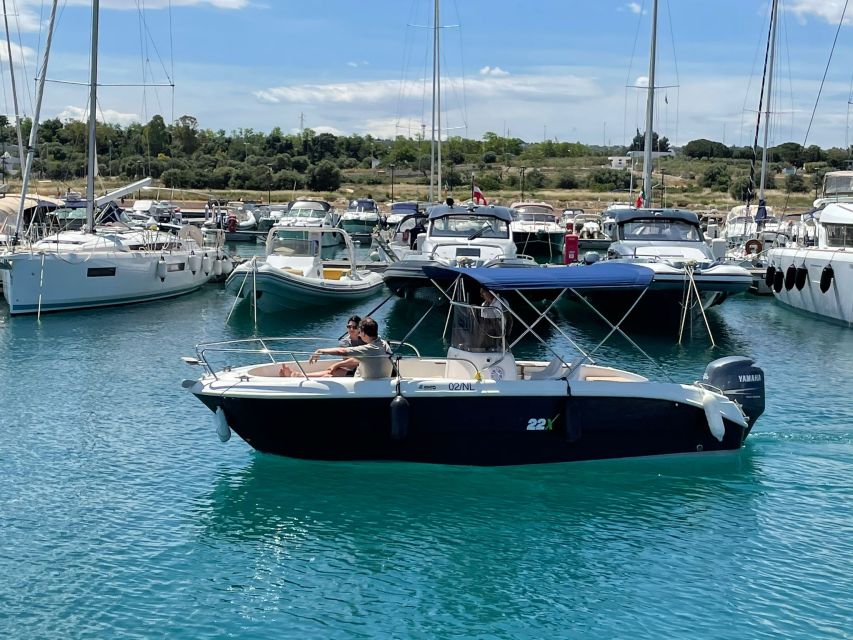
(27, 19)
(18, 53)
(634, 7)
(104, 115)
(828, 10)
(493, 71)
(643, 81)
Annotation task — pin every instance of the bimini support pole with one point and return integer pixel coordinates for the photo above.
(239, 291)
(693, 290)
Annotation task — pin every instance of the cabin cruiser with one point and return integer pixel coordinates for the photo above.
(293, 275)
(238, 219)
(458, 235)
(818, 278)
(837, 187)
(591, 229)
(687, 275)
(476, 404)
(400, 210)
(155, 211)
(310, 213)
(535, 229)
(361, 217)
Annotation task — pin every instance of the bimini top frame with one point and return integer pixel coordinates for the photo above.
(577, 280)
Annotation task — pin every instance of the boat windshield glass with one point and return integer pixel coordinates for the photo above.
(835, 184)
(660, 229)
(362, 205)
(466, 225)
(298, 247)
(526, 216)
(839, 235)
(478, 329)
(305, 213)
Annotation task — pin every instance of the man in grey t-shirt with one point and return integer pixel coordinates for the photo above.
(372, 357)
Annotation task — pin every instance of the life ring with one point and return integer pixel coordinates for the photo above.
(826, 278)
(753, 246)
(769, 275)
(790, 277)
(802, 277)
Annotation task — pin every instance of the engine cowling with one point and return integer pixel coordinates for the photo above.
(740, 381)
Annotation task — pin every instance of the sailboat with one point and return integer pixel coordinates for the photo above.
(688, 276)
(101, 264)
(451, 234)
(749, 228)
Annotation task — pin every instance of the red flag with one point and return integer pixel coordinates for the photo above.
(478, 195)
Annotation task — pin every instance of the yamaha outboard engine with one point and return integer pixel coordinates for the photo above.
(740, 381)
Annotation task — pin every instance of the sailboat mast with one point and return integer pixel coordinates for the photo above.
(768, 96)
(650, 107)
(21, 157)
(93, 110)
(28, 168)
(434, 84)
(438, 98)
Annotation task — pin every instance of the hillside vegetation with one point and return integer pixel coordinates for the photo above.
(184, 158)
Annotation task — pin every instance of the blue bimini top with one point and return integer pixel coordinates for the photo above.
(601, 275)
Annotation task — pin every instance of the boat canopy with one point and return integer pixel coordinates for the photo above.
(596, 276)
(837, 213)
(627, 215)
(400, 207)
(443, 210)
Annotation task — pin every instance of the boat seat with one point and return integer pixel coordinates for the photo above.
(554, 369)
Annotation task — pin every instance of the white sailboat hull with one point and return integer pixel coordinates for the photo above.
(51, 281)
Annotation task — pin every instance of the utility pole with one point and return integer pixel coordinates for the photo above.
(523, 169)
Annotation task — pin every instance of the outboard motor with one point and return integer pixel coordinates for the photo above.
(740, 381)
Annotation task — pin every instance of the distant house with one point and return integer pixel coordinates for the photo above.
(619, 162)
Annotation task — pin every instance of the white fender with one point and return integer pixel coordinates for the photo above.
(222, 428)
(217, 267)
(227, 266)
(714, 416)
(162, 269)
(206, 264)
(195, 262)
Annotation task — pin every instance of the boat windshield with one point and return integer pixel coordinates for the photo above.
(839, 235)
(526, 216)
(302, 247)
(464, 226)
(660, 229)
(478, 329)
(305, 213)
(840, 183)
(362, 205)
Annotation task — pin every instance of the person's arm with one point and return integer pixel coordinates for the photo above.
(328, 351)
(346, 365)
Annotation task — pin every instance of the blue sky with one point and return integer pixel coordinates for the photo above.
(531, 69)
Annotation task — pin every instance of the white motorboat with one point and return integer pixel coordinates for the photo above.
(535, 230)
(818, 279)
(293, 275)
(361, 217)
(310, 213)
(449, 235)
(670, 242)
(477, 404)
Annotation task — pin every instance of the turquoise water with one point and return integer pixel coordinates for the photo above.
(124, 516)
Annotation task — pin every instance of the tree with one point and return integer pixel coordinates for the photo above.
(716, 177)
(566, 181)
(704, 148)
(185, 134)
(795, 183)
(490, 157)
(156, 136)
(324, 176)
(639, 142)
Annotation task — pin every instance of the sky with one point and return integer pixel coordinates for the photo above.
(566, 70)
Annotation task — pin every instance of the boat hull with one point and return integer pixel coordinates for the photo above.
(468, 430)
(359, 227)
(837, 303)
(41, 283)
(275, 290)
